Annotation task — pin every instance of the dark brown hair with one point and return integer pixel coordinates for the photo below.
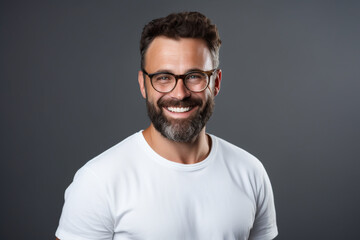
(182, 25)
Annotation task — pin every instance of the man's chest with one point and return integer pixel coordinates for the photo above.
(180, 207)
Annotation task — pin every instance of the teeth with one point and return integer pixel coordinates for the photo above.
(178, 109)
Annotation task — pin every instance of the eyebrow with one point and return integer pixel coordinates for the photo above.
(169, 71)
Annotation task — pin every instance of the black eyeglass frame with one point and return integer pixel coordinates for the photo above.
(183, 77)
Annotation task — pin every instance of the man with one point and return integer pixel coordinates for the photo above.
(172, 180)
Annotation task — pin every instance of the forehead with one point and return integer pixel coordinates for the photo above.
(177, 55)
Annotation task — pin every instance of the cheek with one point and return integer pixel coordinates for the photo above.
(153, 97)
(150, 92)
(208, 93)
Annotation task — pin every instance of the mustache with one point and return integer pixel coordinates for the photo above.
(186, 102)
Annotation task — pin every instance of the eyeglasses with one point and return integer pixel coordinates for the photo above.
(195, 81)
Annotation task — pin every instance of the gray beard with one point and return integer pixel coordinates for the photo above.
(180, 130)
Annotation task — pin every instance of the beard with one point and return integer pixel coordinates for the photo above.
(180, 130)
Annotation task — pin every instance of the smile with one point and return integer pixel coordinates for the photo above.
(179, 109)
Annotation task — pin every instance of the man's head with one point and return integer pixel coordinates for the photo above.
(180, 113)
(182, 25)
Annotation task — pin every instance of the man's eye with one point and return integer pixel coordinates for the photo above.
(194, 76)
(163, 78)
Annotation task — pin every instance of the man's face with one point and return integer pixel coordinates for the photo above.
(179, 115)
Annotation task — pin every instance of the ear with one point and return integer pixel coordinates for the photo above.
(141, 81)
(217, 82)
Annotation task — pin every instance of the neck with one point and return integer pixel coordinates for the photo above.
(186, 153)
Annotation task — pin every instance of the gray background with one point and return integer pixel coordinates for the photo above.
(289, 96)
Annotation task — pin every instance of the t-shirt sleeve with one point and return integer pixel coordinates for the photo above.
(86, 214)
(264, 227)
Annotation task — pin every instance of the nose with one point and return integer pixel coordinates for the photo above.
(180, 91)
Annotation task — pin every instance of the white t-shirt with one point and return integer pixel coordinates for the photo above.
(131, 192)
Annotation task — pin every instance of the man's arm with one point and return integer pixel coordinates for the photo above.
(265, 220)
(85, 214)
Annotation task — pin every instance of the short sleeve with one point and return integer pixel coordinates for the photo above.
(86, 214)
(264, 227)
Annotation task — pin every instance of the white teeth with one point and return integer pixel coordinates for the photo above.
(178, 109)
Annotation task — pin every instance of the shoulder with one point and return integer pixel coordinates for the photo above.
(245, 169)
(115, 160)
(237, 158)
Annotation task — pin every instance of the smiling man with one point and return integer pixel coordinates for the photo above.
(173, 180)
